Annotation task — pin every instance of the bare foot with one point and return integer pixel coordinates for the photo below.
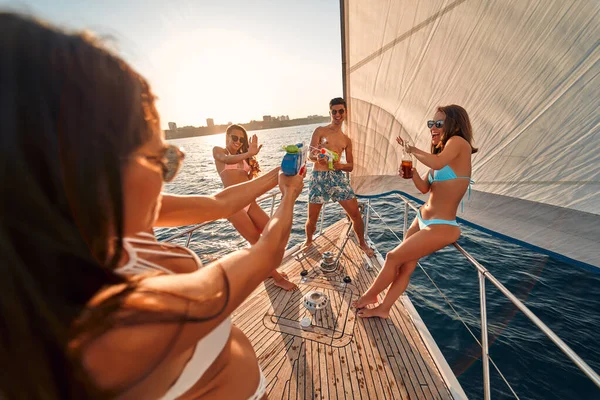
(364, 301)
(284, 275)
(307, 243)
(378, 311)
(368, 251)
(285, 284)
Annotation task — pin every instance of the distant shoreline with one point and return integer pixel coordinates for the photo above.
(191, 131)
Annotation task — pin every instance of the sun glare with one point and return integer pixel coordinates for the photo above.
(216, 73)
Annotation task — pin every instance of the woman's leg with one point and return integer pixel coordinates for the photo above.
(258, 216)
(420, 244)
(243, 224)
(259, 219)
(397, 287)
(394, 292)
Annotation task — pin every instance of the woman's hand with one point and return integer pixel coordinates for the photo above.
(401, 172)
(253, 147)
(407, 147)
(291, 185)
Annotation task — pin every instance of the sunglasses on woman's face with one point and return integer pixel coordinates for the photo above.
(341, 111)
(170, 161)
(235, 138)
(438, 124)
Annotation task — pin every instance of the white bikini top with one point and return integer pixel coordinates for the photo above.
(209, 347)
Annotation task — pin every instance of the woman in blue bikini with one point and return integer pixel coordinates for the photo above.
(435, 226)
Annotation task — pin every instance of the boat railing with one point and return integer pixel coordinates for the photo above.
(485, 275)
(189, 232)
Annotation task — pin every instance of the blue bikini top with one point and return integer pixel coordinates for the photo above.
(447, 174)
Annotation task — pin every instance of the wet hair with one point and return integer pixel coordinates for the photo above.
(337, 101)
(252, 161)
(71, 113)
(456, 123)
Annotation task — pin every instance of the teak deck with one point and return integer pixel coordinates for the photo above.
(340, 356)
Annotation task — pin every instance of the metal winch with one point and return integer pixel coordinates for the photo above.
(328, 262)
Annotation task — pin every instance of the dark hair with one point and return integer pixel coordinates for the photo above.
(337, 101)
(456, 123)
(70, 111)
(252, 161)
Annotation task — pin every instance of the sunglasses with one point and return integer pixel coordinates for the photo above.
(170, 161)
(341, 111)
(235, 138)
(438, 124)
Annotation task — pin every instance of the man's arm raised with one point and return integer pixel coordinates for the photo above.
(188, 210)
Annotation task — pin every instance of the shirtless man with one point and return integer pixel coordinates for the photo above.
(327, 185)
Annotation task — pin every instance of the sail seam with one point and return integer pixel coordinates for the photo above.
(405, 35)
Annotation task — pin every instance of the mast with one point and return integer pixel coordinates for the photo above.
(344, 39)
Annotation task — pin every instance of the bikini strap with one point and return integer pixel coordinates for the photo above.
(462, 202)
(137, 265)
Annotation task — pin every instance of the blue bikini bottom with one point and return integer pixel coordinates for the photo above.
(423, 223)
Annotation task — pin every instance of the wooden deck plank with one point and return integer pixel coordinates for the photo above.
(414, 388)
(387, 380)
(432, 387)
(316, 369)
(308, 371)
(340, 356)
(331, 377)
(323, 369)
(372, 380)
(352, 375)
(286, 370)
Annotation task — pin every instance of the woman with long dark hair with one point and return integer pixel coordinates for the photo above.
(435, 225)
(84, 159)
(236, 163)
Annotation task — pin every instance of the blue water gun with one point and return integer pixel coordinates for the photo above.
(294, 161)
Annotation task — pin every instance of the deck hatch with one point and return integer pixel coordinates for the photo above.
(332, 325)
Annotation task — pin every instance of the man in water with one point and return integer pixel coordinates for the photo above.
(329, 181)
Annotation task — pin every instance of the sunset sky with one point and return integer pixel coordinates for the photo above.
(231, 60)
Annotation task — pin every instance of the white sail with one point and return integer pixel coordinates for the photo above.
(527, 72)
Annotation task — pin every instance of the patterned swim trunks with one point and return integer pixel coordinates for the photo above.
(329, 186)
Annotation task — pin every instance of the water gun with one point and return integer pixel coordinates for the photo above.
(332, 156)
(294, 161)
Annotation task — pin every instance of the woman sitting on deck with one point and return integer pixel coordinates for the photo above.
(236, 163)
(435, 225)
(82, 149)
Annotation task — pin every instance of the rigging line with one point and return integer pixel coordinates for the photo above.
(450, 305)
(468, 329)
(405, 35)
(385, 223)
(503, 378)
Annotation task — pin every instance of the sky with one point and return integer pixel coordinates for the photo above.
(231, 60)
